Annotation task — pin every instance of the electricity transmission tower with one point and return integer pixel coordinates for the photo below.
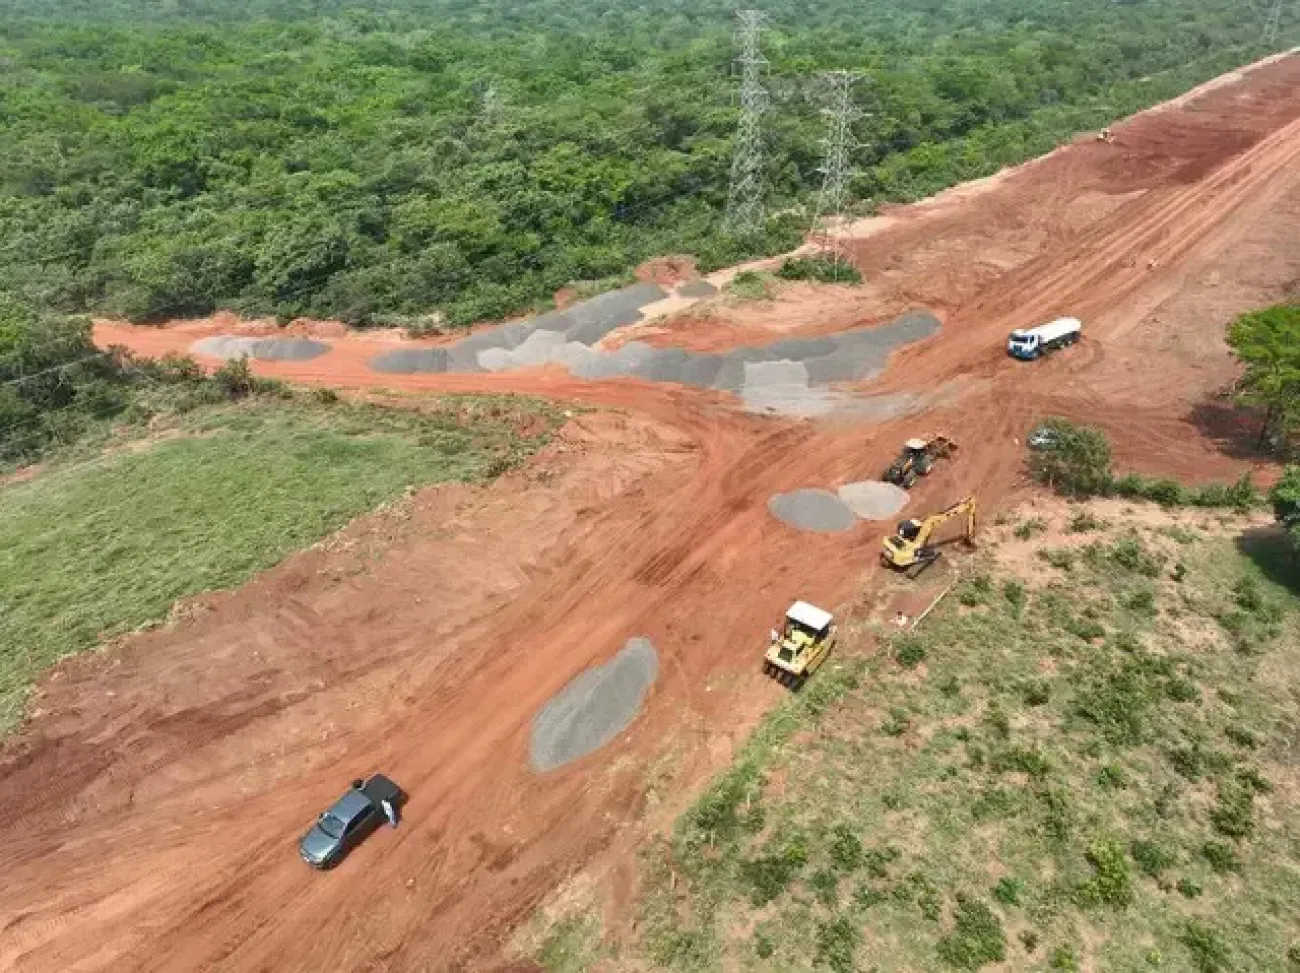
(1270, 27)
(745, 200)
(840, 113)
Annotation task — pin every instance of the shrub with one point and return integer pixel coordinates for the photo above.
(1111, 777)
(750, 285)
(1182, 690)
(825, 884)
(1027, 529)
(1209, 953)
(1076, 463)
(975, 591)
(1014, 593)
(1037, 692)
(1063, 958)
(1151, 858)
(1029, 939)
(878, 860)
(1084, 521)
(977, 937)
(837, 941)
(823, 268)
(1131, 555)
(768, 875)
(1221, 856)
(235, 379)
(1061, 558)
(1142, 601)
(1167, 493)
(763, 946)
(1233, 814)
(1021, 759)
(1110, 884)
(998, 721)
(1058, 816)
(898, 722)
(909, 650)
(1189, 889)
(1241, 736)
(845, 849)
(1008, 890)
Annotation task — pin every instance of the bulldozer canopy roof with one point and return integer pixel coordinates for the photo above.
(810, 615)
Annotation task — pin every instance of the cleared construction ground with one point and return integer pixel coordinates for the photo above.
(150, 811)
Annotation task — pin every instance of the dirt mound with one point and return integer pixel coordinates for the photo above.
(667, 271)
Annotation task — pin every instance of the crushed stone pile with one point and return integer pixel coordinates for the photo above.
(594, 708)
(815, 510)
(873, 499)
(230, 347)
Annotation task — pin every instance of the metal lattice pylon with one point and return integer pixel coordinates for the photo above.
(745, 215)
(839, 143)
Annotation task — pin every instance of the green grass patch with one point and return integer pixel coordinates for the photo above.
(1079, 774)
(96, 548)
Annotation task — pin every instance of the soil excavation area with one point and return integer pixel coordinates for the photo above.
(150, 810)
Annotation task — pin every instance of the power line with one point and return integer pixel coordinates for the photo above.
(745, 215)
(840, 113)
(56, 368)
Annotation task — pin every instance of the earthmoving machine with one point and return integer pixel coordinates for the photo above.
(917, 459)
(910, 549)
(806, 638)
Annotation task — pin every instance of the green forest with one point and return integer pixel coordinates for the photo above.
(458, 160)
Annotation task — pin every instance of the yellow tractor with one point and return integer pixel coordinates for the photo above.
(917, 459)
(806, 638)
(910, 549)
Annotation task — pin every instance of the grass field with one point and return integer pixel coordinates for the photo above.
(93, 548)
(1087, 758)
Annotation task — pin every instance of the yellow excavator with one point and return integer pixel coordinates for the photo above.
(910, 549)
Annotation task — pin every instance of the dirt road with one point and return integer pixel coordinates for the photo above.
(149, 810)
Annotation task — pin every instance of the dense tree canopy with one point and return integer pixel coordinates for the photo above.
(1268, 343)
(379, 160)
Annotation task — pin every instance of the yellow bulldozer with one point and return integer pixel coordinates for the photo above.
(911, 549)
(917, 459)
(806, 638)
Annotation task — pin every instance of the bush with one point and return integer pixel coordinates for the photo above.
(1029, 939)
(823, 268)
(1151, 858)
(909, 650)
(1037, 692)
(837, 941)
(1026, 530)
(1014, 592)
(1076, 463)
(768, 875)
(1022, 760)
(898, 722)
(1008, 890)
(1242, 736)
(1112, 777)
(977, 939)
(825, 884)
(1061, 558)
(763, 946)
(1110, 884)
(1084, 521)
(1233, 814)
(878, 860)
(1209, 953)
(1221, 856)
(1063, 958)
(750, 285)
(1131, 554)
(845, 849)
(975, 590)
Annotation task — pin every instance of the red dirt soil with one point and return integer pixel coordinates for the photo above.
(151, 805)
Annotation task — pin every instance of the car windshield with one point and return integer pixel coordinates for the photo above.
(331, 825)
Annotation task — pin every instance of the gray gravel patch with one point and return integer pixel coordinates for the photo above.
(289, 349)
(697, 288)
(225, 346)
(799, 349)
(409, 361)
(594, 708)
(813, 510)
(873, 499)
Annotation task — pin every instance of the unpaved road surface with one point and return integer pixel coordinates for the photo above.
(149, 809)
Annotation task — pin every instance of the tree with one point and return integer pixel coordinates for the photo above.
(1268, 343)
(1286, 503)
(1075, 460)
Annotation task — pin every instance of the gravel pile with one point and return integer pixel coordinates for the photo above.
(594, 708)
(230, 347)
(873, 499)
(815, 510)
(790, 377)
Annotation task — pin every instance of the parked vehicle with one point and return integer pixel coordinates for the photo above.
(365, 806)
(1036, 342)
